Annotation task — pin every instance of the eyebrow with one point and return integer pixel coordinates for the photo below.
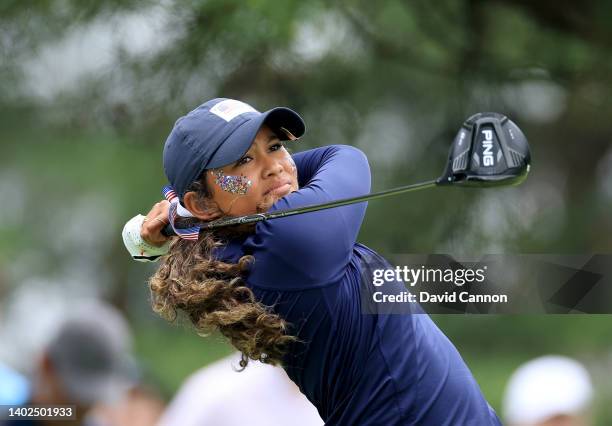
(272, 137)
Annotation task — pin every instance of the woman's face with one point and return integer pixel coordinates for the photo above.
(252, 184)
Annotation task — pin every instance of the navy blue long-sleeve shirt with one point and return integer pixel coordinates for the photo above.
(356, 368)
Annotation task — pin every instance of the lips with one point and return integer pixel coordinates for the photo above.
(279, 187)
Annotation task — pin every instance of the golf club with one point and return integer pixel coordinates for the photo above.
(489, 150)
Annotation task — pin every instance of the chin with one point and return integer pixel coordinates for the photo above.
(267, 202)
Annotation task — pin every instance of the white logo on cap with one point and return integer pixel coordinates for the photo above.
(230, 109)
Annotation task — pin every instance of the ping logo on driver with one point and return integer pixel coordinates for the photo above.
(488, 159)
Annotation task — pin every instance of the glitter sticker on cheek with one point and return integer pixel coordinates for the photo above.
(232, 184)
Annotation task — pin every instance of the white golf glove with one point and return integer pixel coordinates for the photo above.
(139, 249)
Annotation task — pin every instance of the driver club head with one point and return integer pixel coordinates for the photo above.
(489, 150)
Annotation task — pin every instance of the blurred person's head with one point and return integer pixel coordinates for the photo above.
(549, 391)
(86, 360)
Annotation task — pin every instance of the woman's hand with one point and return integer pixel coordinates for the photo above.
(154, 222)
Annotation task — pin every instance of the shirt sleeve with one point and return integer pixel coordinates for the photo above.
(312, 249)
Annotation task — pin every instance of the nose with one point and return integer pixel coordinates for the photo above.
(272, 166)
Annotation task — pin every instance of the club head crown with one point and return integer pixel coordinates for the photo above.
(489, 150)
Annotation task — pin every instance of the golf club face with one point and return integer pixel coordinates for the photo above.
(489, 150)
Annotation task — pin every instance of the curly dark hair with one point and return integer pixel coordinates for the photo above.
(213, 294)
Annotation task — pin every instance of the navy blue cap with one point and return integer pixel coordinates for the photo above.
(217, 133)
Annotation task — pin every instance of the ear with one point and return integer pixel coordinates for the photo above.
(205, 210)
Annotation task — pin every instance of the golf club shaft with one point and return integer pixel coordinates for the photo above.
(258, 217)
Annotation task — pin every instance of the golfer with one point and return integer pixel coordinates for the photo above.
(289, 291)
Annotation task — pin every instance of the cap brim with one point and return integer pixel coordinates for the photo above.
(284, 118)
(239, 142)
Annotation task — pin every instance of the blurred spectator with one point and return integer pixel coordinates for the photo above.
(140, 407)
(549, 391)
(86, 362)
(260, 395)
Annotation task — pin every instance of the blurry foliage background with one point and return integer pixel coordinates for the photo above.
(89, 91)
